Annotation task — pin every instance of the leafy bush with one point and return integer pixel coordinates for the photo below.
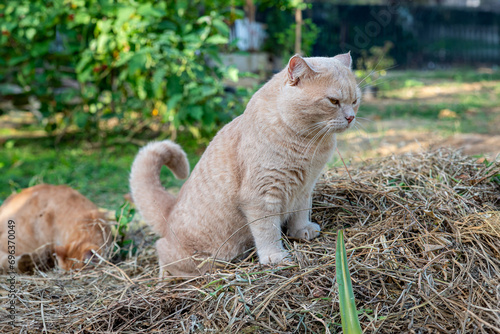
(88, 61)
(286, 39)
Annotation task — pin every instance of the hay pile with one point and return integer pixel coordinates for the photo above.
(423, 240)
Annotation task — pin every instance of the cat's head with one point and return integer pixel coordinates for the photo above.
(76, 255)
(320, 91)
(91, 236)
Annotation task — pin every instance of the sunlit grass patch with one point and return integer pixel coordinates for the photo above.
(100, 174)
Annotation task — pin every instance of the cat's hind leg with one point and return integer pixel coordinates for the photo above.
(174, 260)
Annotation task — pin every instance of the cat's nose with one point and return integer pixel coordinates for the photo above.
(349, 119)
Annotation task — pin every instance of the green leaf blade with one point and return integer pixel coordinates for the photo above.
(348, 312)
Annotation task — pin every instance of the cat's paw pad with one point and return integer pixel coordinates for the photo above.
(309, 232)
(275, 258)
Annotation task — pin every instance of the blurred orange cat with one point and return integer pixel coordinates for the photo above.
(47, 219)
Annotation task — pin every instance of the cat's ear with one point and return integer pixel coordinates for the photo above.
(298, 68)
(345, 59)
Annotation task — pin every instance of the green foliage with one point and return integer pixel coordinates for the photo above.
(286, 39)
(495, 175)
(90, 61)
(281, 28)
(348, 312)
(124, 216)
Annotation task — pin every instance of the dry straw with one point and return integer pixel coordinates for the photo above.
(423, 244)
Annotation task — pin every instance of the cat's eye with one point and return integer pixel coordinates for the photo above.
(335, 102)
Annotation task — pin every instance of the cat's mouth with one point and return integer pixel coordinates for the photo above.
(338, 126)
(350, 124)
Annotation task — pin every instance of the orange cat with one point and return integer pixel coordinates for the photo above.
(257, 174)
(47, 219)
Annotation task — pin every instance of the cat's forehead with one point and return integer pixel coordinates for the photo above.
(325, 64)
(331, 69)
(335, 78)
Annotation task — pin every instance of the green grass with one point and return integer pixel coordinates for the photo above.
(399, 79)
(404, 96)
(100, 174)
(469, 118)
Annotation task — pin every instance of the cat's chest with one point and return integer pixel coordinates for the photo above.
(283, 171)
(290, 179)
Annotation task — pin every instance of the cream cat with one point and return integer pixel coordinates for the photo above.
(47, 219)
(257, 173)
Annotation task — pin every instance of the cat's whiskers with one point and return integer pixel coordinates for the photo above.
(313, 140)
(315, 129)
(365, 137)
(359, 132)
(362, 127)
(372, 72)
(366, 77)
(310, 142)
(375, 83)
(315, 125)
(304, 138)
(325, 135)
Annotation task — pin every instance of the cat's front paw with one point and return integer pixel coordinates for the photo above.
(275, 258)
(308, 232)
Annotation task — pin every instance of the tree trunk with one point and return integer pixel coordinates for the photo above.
(298, 31)
(250, 10)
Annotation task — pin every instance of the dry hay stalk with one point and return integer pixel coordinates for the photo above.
(423, 239)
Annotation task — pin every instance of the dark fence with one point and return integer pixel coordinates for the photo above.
(422, 36)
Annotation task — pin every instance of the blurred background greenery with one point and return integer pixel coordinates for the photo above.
(84, 83)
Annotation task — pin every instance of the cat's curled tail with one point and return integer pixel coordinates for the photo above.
(149, 195)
